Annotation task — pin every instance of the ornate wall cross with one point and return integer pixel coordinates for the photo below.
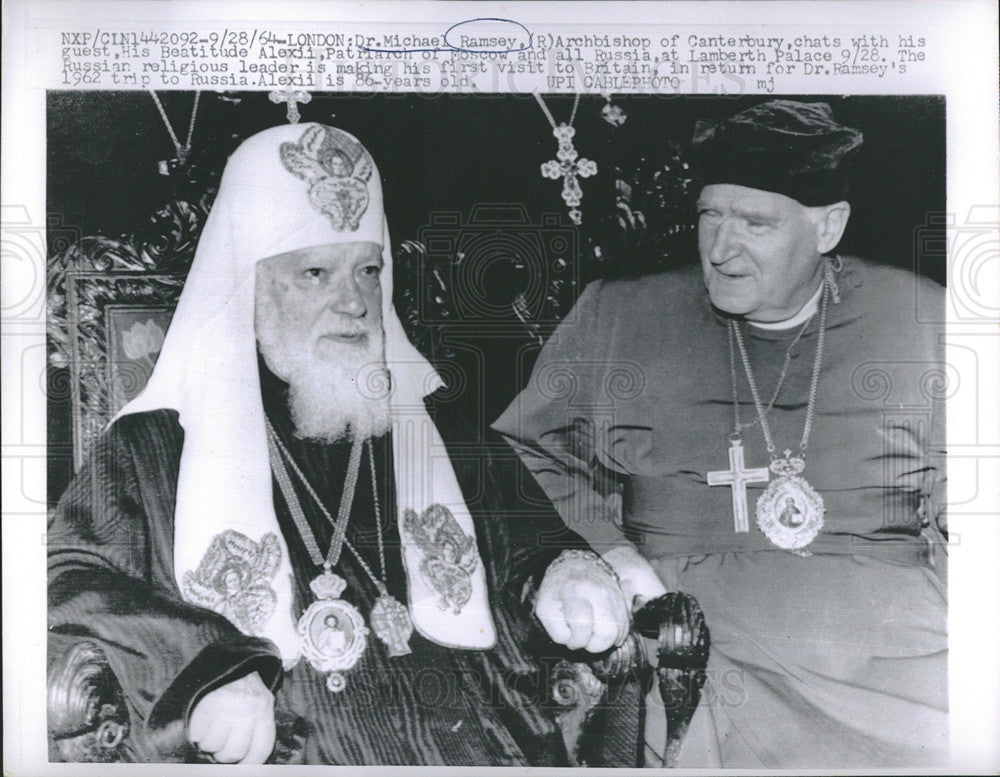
(291, 98)
(569, 166)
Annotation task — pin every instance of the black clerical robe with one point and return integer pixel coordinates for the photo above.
(111, 579)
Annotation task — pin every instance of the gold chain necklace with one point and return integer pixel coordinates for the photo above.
(790, 511)
(738, 476)
(738, 426)
(332, 632)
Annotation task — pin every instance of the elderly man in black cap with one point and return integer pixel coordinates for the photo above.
(753, 461)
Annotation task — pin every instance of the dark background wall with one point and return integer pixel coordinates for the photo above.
(448, 153)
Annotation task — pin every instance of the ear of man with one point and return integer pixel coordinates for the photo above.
(831, 221)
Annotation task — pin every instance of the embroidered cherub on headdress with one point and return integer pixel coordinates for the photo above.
(337, 168)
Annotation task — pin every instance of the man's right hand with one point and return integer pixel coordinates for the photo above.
(581, 605)
(235, 723)
(639, 580)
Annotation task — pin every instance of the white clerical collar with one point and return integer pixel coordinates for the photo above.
(808, 311)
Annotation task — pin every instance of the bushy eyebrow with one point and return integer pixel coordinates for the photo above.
(765, 216)
(749, 214)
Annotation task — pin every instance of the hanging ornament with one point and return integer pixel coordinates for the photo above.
(612, 113)
(179, 162)
(291, 98)
(790, 511)
(567, 165)
(332, 632)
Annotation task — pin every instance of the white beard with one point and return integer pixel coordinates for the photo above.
(344, 396)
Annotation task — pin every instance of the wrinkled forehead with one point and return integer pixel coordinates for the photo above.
(328, 256)
(734, 195)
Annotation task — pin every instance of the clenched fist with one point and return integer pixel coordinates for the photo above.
(639, 580)
(581, 604)
(235, 723)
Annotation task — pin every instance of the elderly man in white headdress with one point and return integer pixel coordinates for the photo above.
(277, 529)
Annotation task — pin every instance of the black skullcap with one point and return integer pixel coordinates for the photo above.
(784, 146)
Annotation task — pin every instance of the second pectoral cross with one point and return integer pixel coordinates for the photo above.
(737, 477)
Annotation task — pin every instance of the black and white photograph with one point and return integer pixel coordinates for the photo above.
(576, 426)
(733, 433)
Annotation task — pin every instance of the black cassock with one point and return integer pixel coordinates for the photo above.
(111, 579)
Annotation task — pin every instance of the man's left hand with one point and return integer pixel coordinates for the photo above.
(581, 605)
(235, 723)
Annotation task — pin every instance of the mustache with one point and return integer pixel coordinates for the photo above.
(348, 328)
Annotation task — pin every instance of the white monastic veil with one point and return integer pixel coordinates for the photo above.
(288, 188)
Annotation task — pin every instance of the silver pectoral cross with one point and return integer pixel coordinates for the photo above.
(737, 477)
